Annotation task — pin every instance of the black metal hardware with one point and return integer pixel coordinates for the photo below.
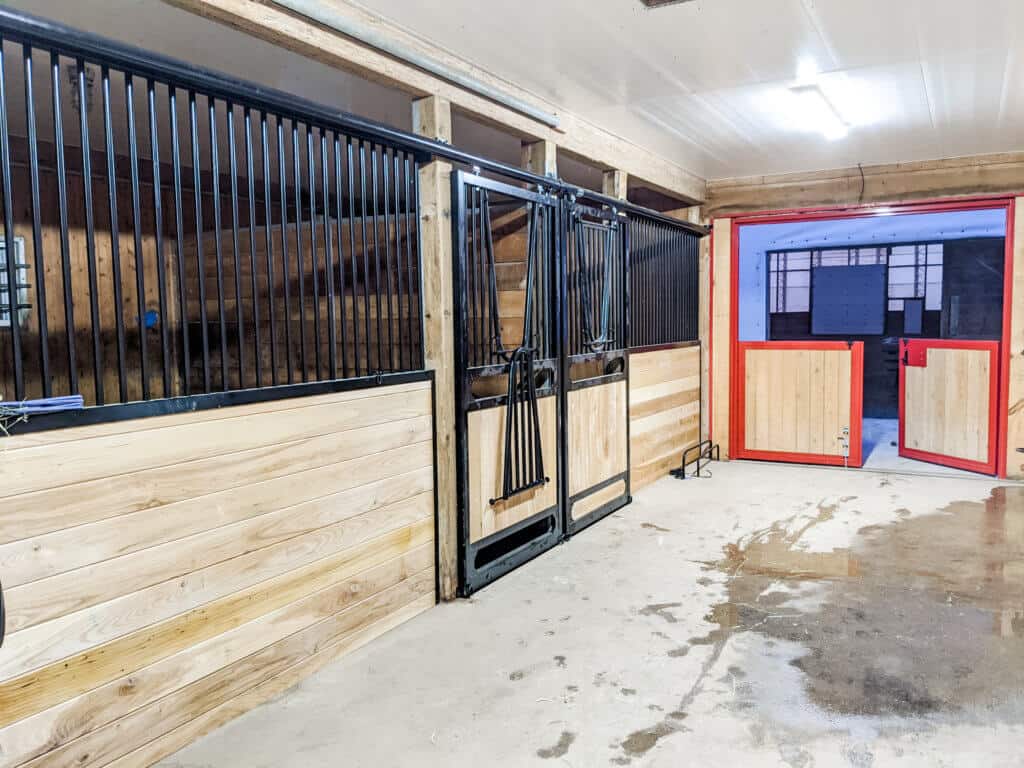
(160, 209)
(705, 450)
(664, 282)
(523, 465)
(3, 617)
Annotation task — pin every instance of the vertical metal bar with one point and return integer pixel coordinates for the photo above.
(341, 253)
(62, 209)
(250, 173)
(376, 261)
(269, 245)
(297, 174)
(37, 230)
(158, 234)
(314, 275)
(90, 230)
(414, 216)
(112, 190)
(366, 254)
(387, 259)
(211, 104)
(282, 180)
(8, 212)
(478, 341)
(332, 335)
(193, 117)
(350, 163)
(172, 107)
(233, 167)
(140, 266)
(402, 310)
(411, 230)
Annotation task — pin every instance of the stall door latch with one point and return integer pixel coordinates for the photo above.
(844, 438)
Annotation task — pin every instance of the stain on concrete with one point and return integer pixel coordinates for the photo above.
(560, 749)
(653, 527)
(678, 653)
(628, 691)
(920, 616)
(704, 581)
(560, 661)
(641, 742)
(516, 676)
(661, 610)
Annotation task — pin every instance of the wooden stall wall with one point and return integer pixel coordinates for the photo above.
(164, 575)
(664, 410)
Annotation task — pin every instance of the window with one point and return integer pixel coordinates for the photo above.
(915, 272)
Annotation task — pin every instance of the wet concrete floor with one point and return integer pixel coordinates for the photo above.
(765, 616)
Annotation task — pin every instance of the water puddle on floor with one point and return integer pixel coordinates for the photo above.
(922, 615)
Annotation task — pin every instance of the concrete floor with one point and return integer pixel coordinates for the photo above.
(881, 451)
(768, 616)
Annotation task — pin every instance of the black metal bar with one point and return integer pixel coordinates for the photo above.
(300, 277)
(411, 231)
(254, 271)
(376, 259)
(233, 167)
(211, 108)
(193, 116)
(402, 310)
(158, 238)
(366, 254)
(9, 254)
(341, 253)
(387, 259)
(112, 190)
(179, 232)
(37, 231)
(90, 230)
(332, 334)
(140, 267)
(350, 164)
(314, 276)
(269, 245)
(283, 188)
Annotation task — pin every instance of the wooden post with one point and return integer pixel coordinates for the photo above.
(615, 184)
(721, 349)
(540, 157)
(432, 118)
(1015, 417)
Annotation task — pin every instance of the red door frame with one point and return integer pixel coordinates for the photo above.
(987, 467)
(868, 210)
(856, 350)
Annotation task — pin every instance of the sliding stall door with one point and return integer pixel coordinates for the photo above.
(800, 401)
(948, 402)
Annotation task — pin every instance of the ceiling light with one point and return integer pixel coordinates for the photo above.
(815, 111)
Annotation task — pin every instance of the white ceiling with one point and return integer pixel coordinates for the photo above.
(705, 83)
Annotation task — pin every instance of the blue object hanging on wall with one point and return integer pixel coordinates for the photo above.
(848, 301)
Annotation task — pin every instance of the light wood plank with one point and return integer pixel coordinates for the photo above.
(596, 433)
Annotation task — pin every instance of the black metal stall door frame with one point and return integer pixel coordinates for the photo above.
(514, 374)
(595, 294)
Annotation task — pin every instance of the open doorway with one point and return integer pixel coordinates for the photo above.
(917, 295)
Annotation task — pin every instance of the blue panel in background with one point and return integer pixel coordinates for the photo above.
(848, 301)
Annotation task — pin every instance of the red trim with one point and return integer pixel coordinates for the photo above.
(976, 202)
(919, 348)
(856, 349)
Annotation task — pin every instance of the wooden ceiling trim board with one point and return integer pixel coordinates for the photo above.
(575, 136)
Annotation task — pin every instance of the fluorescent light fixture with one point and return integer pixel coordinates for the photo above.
(815, 111)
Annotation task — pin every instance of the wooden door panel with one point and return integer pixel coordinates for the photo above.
(797, 398)
(948, 396)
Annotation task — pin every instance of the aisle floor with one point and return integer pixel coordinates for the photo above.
(766, 616)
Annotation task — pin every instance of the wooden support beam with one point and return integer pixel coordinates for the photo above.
(721, 352)
(615, 184)
(540, 157)
(896, 182)
(1015, 418)
(574, 135)
(432, 117)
